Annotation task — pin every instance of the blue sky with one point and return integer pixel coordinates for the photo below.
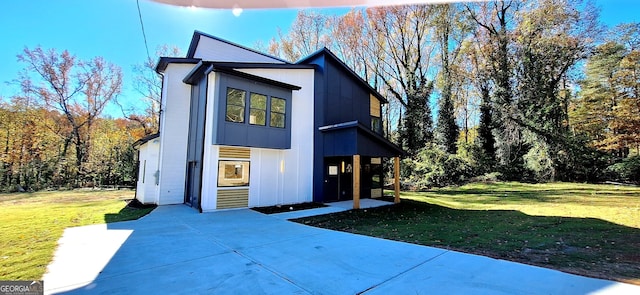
(111, 29)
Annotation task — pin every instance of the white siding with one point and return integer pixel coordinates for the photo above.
(147, 188)
(174, 124)
(295, 183)
(215, 50)
(276, 176)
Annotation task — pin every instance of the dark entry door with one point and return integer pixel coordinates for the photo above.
(331, 180)
(338, 180)
(346, 179)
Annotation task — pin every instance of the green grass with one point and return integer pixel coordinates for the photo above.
(591, 230)
(32, 223)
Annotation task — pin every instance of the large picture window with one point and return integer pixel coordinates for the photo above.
(233, 173)
(258, 109)
(235, 105)
(278, 112)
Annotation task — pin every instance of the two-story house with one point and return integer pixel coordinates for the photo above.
(240, 128)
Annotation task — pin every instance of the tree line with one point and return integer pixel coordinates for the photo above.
(516, 90)
(54, 134)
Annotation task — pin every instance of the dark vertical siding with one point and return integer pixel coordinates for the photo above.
(195, 144)
(347, 98)
(244, 134)
(320, 105)
(339, 98)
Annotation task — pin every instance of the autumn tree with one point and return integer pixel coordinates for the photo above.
(607, 107)
(146, 112)
(496, 20)
(403, 34)
(451, 30)
(308, 33)
(77, 89)
(477, 60)
(30, 151)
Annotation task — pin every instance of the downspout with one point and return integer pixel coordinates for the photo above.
(161, 99)
(156, 194)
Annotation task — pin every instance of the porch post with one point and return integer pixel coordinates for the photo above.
(396, 174)
(356, 181)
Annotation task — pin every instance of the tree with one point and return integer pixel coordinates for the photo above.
(348, 39)
(479, 70)
(450, 31)
(308, 33)
(607, 107)
(79, 90)
(496, 22)
(403, 35)
(148, 83)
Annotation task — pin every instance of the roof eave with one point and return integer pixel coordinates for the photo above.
(163, 62)
(145, 139)
(204, 68)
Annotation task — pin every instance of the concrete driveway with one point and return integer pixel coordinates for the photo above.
(175, 250)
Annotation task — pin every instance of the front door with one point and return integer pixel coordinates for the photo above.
(331, 180)
(338, 179)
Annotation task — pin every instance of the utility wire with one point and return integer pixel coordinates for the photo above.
(144, 35)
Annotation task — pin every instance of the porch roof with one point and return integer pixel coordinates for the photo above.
(354, 138)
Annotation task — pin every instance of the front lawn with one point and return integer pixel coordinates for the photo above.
(591, 230)
(32, 223)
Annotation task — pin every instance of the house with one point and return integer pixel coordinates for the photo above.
(240, 128)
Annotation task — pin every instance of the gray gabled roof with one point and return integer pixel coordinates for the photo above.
(196, 39)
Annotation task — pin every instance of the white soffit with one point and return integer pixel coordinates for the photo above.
(252, 4)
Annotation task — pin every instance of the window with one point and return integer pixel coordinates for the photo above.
(235, 105)
(278, 112)
(233, 173)
(258, 109)
(376, 173)
(376, 124)
(374, 111)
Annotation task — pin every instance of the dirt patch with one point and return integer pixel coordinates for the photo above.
(288, 208)
(135, 204)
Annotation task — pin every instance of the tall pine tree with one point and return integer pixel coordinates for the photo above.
(447, 131)
(485, 136)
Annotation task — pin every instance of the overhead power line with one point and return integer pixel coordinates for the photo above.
(144, 35)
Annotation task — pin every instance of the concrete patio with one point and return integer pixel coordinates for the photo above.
(175, 250)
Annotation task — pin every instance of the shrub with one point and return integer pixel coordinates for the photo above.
(627, 170)
(433, 167)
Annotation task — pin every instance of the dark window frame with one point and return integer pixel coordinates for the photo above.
(272, 112)
(244, 106)
(376, 124)
(251, 108)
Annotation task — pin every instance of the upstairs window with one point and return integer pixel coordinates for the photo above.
(258, 109)
(278, 112)
(376, 124)
(235, 105)
(376, 114)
